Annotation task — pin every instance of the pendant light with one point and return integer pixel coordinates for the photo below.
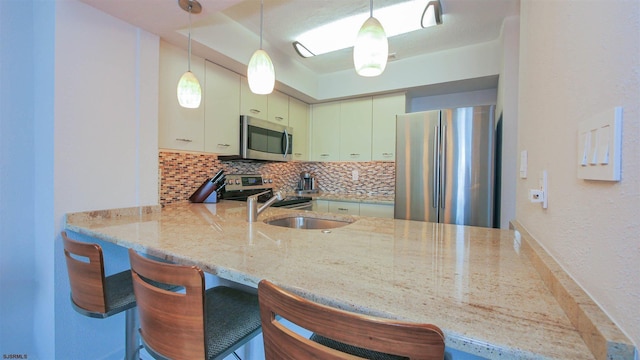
(189, 90)
(371, 49)
(260, 72)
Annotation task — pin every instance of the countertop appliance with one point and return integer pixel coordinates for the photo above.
(445, 166)
(263, 140)
(306, 184)
(240, 186)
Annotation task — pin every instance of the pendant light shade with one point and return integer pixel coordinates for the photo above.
(260, 72)
(371, 49)
(189, 91)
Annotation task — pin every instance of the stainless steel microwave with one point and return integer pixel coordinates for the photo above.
(263, 140)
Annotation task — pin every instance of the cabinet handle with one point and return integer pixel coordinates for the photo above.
(254, 111)
(343, 209)
(223, 145)
(279, 118)
(354, 155)
(387, 154)
(297, 154)
(324, 155)
(185, 140)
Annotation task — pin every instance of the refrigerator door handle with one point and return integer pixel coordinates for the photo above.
(443, 167)
(436, 165)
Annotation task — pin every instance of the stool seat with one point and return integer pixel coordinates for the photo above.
(197, 324)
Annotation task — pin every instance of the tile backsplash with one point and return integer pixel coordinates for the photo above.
(181, 173)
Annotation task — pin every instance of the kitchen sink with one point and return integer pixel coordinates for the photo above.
(306, 222)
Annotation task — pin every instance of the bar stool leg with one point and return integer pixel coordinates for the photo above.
(132, 343)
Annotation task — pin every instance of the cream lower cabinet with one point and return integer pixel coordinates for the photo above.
(377, 210)
(299, 121)
(353, 208)
(343, 207)
(383, 135)
(325, 132)
(178, 128)
(221, 110)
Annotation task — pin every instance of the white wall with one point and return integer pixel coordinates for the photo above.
(579, 58)
(106, 93)
(26, 177)
(461, 99)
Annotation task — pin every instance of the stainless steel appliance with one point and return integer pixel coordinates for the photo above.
(306, 184)
(263, 140)
(445, 166)
(240, 186)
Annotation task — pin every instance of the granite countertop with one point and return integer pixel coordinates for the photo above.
(474, 283)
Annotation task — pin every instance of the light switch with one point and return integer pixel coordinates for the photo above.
(523, 164)
(599, 146)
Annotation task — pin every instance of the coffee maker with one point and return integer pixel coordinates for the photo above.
(306, 184)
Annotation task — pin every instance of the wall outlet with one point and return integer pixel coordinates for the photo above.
(354, 175)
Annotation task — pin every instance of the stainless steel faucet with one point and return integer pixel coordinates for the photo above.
(252, 205)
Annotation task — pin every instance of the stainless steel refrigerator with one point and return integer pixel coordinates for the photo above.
(445, 162)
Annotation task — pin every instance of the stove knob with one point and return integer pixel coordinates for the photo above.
(237, 181)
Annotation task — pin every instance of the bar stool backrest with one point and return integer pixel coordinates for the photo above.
(85, 266)
(410, 340)
(172, 324)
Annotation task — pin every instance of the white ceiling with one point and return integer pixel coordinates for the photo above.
(235, 22)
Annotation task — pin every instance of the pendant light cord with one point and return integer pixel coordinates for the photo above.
(261, 16)
(371, 8)
(189, 57)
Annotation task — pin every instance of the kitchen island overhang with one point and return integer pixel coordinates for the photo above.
(475, 283)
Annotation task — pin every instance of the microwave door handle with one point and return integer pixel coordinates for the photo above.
(285, 134)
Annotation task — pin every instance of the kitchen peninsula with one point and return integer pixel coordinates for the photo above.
(477, 284)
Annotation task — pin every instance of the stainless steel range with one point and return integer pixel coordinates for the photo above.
(239, 187)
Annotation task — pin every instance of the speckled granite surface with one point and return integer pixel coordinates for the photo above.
(473, 282)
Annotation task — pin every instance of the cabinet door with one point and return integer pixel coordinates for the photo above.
(178, 128)
(320, 205)
(355, 130)
(299, 121)
(325, 132)
(221, 110)
(278, 108)
(385, 109)
(343, 207)
(376, 210)
(250, 103)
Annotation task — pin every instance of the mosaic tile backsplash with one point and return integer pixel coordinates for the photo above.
(181, 173)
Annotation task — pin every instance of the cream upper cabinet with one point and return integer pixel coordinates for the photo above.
(355, 129)
(325, 132)
(299, 121)
(222, 110)
(278, 108)
(178, 128)
(250, 103)
(383, 138)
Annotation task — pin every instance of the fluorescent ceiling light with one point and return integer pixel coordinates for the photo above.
(395, 19)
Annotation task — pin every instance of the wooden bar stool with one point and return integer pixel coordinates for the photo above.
(197, 324)
(339, 334)
(97, 296)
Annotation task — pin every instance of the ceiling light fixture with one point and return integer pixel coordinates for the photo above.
(260, 72)
(189, 90)
(371, 48)
(397, 19)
